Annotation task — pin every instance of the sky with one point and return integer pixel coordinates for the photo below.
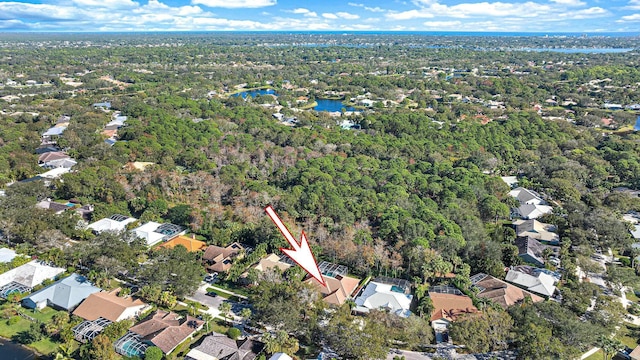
(583, 16)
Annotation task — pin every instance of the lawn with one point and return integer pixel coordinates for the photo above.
(598, 355)
(45, 346)
(7, 331)
(632, 296)
(223, 295)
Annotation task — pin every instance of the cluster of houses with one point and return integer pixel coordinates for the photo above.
(118, 120)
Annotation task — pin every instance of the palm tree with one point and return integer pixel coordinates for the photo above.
(207, 319)
(245, 313)
(225, 309)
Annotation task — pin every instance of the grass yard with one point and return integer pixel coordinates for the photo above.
(45, 346)
(632, 296)
(598, 355)
(7, 331)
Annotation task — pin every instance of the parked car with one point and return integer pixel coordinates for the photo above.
(212, 294)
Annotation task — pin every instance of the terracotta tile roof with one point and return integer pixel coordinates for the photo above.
(106, 305)
(450, 306)
(192, 245)
(503, 293)
(167, 329)
(338, 289)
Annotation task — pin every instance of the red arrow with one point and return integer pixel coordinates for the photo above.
(300, 253)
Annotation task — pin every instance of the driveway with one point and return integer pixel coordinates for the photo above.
(201, 296)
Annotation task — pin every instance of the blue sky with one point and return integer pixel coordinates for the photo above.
(340, 15)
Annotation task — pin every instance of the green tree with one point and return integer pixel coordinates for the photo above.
(153, 353)
(225, 309)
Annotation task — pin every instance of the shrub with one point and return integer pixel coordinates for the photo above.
(234, 333)
(153, 353)
(13, 320)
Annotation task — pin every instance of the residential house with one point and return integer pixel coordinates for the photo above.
(165, 330)
(56, 207)
(635, 354)
(537, 230)
(270, 262)
(531, 206)
(532, 279)
(526, 196)
(51, 156)
(103, 105)
(387, 294)
(114, 223)
(7, 255)
(448, 305)
(221, 347)
(65, 294)
(108, 305)
(532, 250)
(220, 259)
(280, 356)
(499, 291)
(512, 181)
(51, 136)
(25, 277)
(190, 243)
(153, 232)
(339, 287)
(532, 211)
(61, 163)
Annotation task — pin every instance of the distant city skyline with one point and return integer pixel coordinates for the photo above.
(588, 16)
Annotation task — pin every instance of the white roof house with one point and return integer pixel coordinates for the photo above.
(146, 232)
(30, 274)
(526, 196)
(65, 294)
(153, 232)
(6, 255)
(510, 180)
(280, 356)
(381, 296)
(114, 223)
(528, 211)
(54, 173)
(537, 282)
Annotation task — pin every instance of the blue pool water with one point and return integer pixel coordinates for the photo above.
(397, 289)
(636, 127)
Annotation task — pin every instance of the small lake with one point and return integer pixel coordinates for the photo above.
(11, 351)
(332, 105)
(254, 93)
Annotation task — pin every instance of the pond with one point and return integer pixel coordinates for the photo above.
(11, 351)
(254, 93)
(332, 105)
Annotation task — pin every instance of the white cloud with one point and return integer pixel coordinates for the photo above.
(629, 18)
(235, 4)
(633, 5)
(112, 4)
(442, 24)
(19, 10)
(348, 16)
(303, 11)
(329, 16)
(484, 9)
(592, 12)
(411, 14)
(569, 2)
(372, 9)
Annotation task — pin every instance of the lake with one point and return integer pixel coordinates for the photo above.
(332, 105)
(254, 93)
(11, 351)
